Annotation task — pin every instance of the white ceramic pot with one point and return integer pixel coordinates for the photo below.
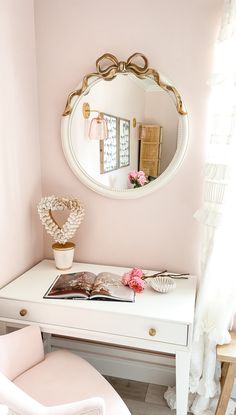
(63, 255)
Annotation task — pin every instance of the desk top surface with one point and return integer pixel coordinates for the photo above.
(177, 305)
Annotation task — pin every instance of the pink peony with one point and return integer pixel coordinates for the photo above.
(142, 180)
(126, 278)
(134, 279)
(137, 284)
(137, 178)
(132, 175)
(136, 272)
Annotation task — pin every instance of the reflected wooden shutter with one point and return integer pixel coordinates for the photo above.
(150, 149)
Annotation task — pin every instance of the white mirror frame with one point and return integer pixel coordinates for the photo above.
(116, 193)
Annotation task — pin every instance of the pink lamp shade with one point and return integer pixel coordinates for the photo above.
(98, 128)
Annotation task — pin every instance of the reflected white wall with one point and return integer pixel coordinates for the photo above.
(121, 98)
(160, 109)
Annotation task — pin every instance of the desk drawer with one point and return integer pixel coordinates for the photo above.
(89, 320)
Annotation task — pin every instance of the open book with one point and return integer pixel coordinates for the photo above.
(88, 286)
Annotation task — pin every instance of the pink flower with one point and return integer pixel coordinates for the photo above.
(137, 284)
(137, 178)
(141, 173)
(136, 272)
(126, 278)
(132, 175)
(134, 279)
(142, 180)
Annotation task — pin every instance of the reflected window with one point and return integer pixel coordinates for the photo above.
(115, 150)
(124, 143)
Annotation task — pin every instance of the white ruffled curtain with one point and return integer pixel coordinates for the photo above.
(216, 301)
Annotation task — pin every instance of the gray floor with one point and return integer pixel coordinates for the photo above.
(141, 398)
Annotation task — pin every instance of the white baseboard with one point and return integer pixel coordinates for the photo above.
(123, 363)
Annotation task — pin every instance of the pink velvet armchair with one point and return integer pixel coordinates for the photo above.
(58, 383)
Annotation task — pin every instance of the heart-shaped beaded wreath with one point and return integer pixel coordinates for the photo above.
(52, 203)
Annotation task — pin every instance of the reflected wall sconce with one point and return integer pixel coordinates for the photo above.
(98, 126)
(142, 129)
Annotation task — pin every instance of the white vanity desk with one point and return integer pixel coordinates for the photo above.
(124, 324)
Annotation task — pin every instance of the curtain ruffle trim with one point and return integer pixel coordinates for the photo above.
(215, 330)
(217, 172)
(208, 217)
(207, 388)
(197, 405)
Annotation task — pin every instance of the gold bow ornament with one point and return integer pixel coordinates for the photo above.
(108, 66)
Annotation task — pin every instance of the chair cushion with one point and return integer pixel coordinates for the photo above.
(20, 350)
(64, 377)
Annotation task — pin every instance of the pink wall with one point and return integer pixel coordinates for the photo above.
(157, 231)
(21, 243)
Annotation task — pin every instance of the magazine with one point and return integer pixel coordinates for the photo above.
(89, 286)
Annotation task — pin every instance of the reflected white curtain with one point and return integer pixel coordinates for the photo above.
(216, 301)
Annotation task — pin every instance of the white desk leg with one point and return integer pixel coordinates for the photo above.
(182, 382)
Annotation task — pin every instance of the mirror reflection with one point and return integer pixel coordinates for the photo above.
(123, 127)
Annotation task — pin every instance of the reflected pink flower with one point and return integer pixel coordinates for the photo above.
(142, 180)
(132, 175)
(137, 178)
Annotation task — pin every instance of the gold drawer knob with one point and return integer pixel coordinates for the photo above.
(23, 312)
(152, 332)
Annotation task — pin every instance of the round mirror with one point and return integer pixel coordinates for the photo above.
(127, 137)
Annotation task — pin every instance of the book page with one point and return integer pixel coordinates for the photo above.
(108, 286)
(73, 285)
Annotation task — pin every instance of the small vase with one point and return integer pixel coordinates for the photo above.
(63, 255)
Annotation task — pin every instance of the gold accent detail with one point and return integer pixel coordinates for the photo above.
(152, 332)
(63, 247)
(134, 122)
(108, 67)
(64, 269)
(86, 110)
(23, 312)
